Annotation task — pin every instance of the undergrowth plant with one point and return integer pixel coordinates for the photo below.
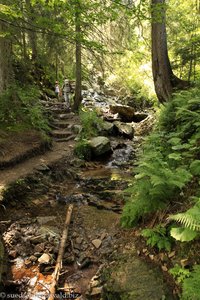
(190, 221)
(158, 237)
(191, 286)
(91, 125)
(169, 160)
(179, 273)
(20, 109)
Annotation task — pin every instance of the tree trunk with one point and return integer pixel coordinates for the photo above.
(31, 34)
(165, 81)
(78, 96)
(5, 60)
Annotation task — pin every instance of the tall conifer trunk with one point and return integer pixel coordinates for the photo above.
(78, 96)
(165, 81)
(5, 60)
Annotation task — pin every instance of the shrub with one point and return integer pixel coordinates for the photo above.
(20, 108)
(91, 123)
(83, 150)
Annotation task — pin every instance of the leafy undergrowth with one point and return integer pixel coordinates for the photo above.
(20, 110)
(166, 187)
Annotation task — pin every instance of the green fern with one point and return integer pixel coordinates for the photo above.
(158, 237)
(168, 163)
(189, 219)
(179, 273)
(191, 286)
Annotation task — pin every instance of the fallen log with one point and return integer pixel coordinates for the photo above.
(56, 273)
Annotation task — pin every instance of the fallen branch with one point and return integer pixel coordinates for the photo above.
(58, 266)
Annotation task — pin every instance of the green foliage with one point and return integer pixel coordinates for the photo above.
(191, 287)
(191, 224)
(90, 122)
(83, 150)
(169, 160)
(179, 273)
(20, 108)
(157, 236)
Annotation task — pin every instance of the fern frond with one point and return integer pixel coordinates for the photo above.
(190, 219)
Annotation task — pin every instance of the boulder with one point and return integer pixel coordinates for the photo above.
(125, 112)
(100, 145)
(124, 129)
(107, 128)
(138, 117)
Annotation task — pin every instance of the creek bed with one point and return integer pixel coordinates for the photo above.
(100, 260)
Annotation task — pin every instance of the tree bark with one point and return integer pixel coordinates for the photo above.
(78, 96)
(5, 59)
(165, 81)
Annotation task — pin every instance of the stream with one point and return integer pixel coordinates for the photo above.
(100, 260)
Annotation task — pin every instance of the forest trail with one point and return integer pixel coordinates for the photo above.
(23, 162)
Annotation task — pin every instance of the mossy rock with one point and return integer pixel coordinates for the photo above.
(133, 279)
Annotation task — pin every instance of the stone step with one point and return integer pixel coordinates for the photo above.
(64, 116)
(60, 140)
(60, 123)
(58, 110)
(58, 133)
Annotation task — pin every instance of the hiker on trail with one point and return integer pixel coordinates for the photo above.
(57, 90)
(67, 89)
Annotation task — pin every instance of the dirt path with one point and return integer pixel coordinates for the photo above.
(58, 151)
(33, 161)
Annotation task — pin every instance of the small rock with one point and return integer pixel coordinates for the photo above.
(164, 268)
(44, 259)
(97, 243)
(13, 253)
(163, 257)
(151, 256)
(37, 239)
(96, 291)
(39, 247)
(103, 236)
(185, 263)
(37, 254)
(144, 250)
(172, 254)
(33, 258)
(27, 263)
(79, 240)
